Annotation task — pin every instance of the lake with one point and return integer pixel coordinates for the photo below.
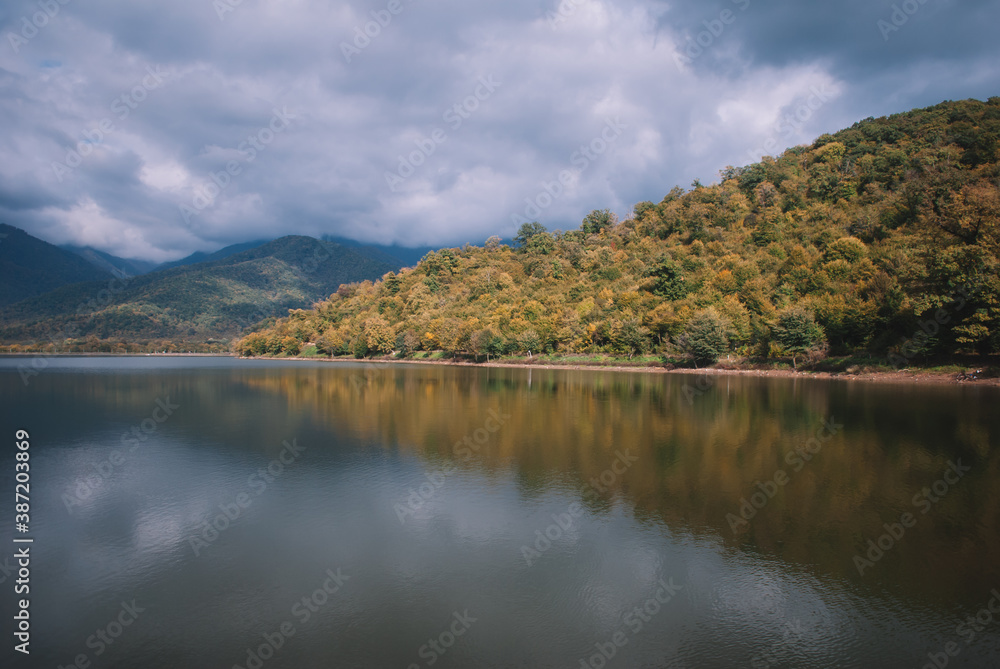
(214, 512)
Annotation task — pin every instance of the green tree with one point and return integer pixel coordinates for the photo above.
(641, 208)
(391, 283)
(706, 337)
(486, 342)
(360, 347)
(407, 342)
(630, 337)
(598, 220)
(526, 232)
(667, 280)
(543, 243)
(797, 332)
(529, 341)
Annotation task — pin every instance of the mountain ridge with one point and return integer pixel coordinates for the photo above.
(111, 263)
(30, 266)
(199, 302)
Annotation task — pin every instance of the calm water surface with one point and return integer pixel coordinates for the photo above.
(211, 512)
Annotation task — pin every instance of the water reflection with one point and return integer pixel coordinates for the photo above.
(615, 483)
(699, 454)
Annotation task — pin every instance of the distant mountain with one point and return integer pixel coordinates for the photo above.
(397, 256)
(201, 256)
(110, 263)
(406, 256)
(30, 267)
(207, 300)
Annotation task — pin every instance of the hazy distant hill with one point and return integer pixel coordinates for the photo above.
(406, 256)
(111, 263)
(392, 255)
(195, 302)
(201, 256)
(29, 266)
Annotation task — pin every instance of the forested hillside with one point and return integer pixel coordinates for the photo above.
(30, 266)
(857, 243)
(195, 303)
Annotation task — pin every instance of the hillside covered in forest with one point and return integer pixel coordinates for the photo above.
(880, 239)
(30, 267)
(193, 305)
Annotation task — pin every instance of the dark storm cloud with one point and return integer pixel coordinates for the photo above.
(853, 35)
(447, 122)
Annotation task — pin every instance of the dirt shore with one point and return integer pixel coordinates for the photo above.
(901, 376)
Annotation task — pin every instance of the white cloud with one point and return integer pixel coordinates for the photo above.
(559, 85)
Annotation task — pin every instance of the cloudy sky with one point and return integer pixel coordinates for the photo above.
(154, 129)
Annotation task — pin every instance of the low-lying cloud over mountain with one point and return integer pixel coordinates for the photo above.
(150, 129)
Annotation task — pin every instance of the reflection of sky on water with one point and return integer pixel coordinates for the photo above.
(334, 507)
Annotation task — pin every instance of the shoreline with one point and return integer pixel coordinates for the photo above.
(99, 354)
(897, 377)
(905, 376)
